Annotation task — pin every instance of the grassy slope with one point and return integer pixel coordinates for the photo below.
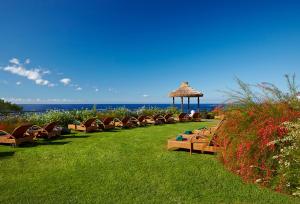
(122, 166)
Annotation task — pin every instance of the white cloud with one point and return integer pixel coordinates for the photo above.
(27, 61)
(96, 89)
(39, 100)
(145, 95)
(14, 61)
(42, 82)
(65, 81)
(78, 89)
(46, 72)
(35, 75)
(18, 83)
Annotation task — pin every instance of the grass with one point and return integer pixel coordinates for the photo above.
(126, 166)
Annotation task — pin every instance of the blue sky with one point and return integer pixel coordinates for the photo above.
(123, 51)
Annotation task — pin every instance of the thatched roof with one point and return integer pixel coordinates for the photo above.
(185, 91)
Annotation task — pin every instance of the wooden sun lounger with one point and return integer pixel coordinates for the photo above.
(154, 120)
(124, 122)
(159, 118)
(194, 143)
(196, 117)
(48, 131)
(135, 121)
(209, 131)
(198, 141)
(88, 126)
(169, 118)
(107, 123)
(142, 120)
(17, 137)
(183, 117)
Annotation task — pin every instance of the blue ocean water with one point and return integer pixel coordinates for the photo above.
(46, 107)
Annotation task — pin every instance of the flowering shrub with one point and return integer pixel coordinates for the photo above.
(288, 159)
(247, 135)
(260, 136)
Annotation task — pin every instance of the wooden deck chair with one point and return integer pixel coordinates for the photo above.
(88, 126)
(17, 137)
(209, 131)
(183, 117)
(196, 117)
(195, 143)
(159, 118)
(203, 143)
(106, 123)
(150, 120)
(124, 122)
(48, 131)
(134, 121)
(142, 120)
(169, 118)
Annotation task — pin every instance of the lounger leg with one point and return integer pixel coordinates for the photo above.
(191, 149)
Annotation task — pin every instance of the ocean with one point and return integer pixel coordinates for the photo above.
(101, 107)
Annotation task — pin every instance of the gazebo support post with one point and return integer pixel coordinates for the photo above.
(198, 104)
(188, 104)
(182, 104)
(173, 101)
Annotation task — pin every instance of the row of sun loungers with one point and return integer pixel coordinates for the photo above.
(108, 123)
(28, 132)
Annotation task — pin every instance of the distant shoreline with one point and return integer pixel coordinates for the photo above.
(66, 107)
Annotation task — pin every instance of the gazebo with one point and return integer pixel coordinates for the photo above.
(188, 92)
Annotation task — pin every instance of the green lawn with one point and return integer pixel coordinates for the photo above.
(124, 166)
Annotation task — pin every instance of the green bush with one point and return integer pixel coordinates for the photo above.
(116, 113)
(153, 111)
(63, 118)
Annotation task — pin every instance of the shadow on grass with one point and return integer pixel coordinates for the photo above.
(194, 151)
(72, 136)
(112, 130)
(45, 142)
(6, 154)
(52, 143)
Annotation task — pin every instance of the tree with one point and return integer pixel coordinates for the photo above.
(6, 106)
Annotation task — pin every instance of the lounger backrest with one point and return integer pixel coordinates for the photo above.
(20, 131)
(182, 115)
(167, 116)
(219, 125)
(148, 117)
(134, 119)
(158, 116)
(155, 117)
(107, 120)
(49, 127)
(125, 120)
(196, 115)
(214, 134)
(141, 118)
(89, 122)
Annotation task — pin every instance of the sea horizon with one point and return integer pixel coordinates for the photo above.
(108, 106)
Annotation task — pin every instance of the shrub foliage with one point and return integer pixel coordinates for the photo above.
(261, 133)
